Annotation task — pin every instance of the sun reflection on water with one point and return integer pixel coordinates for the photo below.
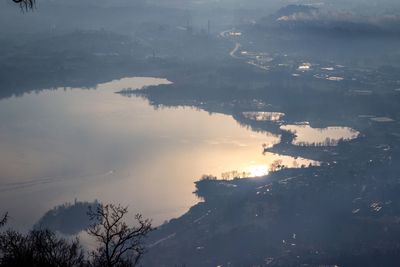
(258, 170)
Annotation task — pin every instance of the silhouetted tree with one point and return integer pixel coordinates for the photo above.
(120, 244)
(39, 248)
(25, 4)
(3, 220)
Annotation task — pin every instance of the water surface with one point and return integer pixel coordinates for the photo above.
(58, 145)
(305, 135)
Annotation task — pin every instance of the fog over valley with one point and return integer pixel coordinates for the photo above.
(199, 133)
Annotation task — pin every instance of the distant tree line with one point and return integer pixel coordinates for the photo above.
(118, 244)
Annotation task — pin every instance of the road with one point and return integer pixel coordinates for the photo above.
(234, 50)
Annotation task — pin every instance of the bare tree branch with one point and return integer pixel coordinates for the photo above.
(39, 248)
(25, 4)
(3, 220)
(120, 244)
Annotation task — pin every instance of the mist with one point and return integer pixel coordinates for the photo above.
(249, 133)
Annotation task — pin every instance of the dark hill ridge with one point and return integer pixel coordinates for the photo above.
(303, 19)
(291, 10)
(69, 219)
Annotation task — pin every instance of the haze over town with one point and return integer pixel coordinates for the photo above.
(241, 133)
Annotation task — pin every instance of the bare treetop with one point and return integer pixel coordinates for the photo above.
(25, 4)
(3, 220)
(121, 244)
